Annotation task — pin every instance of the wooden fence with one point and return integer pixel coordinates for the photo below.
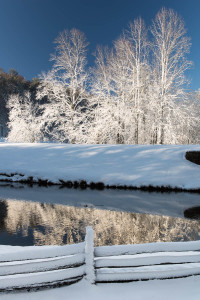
(30, 267)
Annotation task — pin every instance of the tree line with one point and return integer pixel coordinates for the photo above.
(136, 93)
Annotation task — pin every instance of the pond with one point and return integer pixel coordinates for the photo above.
(54, 216)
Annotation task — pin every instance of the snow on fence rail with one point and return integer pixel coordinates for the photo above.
(147, 261)
(40, 266)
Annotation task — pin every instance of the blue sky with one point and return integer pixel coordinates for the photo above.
(29, 27)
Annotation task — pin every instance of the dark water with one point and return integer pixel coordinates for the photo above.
(167, 204)
(192, 213)
(34, 223)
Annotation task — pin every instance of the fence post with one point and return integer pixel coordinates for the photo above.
(89, 254)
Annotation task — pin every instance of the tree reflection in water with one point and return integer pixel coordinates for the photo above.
(3, 214)
(59, 225)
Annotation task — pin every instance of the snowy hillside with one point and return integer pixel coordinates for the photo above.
(111, 164)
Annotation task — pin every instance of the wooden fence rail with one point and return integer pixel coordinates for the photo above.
(40, 266)
(147, 261)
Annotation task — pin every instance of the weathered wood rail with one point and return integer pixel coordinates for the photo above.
(31, 267)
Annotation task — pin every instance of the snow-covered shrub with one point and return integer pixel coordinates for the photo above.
(24, 124)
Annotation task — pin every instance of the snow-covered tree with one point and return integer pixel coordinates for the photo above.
(193, 112)
(120, 85)
(170, 48)
(138, 56)
(24, 125)
(107, 126)
(65, 117)
(135, 95)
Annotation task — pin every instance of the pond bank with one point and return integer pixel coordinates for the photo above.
(93, 185)
(147, 167)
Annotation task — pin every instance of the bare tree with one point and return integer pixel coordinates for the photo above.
(121, 85)
(105, 126)
(65, 88)
(138, 55)
(170, 47)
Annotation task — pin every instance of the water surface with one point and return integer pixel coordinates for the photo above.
(34, 223)
(168, 204)
(57, 216)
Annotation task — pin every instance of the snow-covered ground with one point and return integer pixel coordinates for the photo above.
(111, 164)
(174, 289)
